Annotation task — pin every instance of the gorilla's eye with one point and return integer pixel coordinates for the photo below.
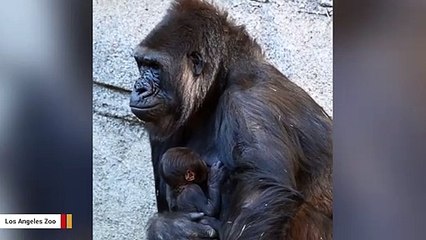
(150, 63)
(197, 62)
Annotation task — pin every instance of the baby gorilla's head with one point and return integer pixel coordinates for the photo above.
(181, 165)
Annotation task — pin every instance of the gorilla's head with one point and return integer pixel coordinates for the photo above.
(178, 62)
(184, 62)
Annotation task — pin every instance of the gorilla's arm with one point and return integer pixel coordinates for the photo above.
(264, 154)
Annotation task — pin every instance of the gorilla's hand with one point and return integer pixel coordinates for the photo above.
(179, 226)
(212, 222)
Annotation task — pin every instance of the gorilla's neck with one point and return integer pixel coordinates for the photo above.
(241, 47)
(168, 128)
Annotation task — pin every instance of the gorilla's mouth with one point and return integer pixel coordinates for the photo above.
(143, 108)
(145, 113)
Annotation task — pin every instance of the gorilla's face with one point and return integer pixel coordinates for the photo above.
(151, 99)
(176, 75)
(169, 88)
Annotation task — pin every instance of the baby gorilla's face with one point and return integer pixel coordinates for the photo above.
(190, 175)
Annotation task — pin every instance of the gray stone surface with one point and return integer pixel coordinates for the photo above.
(296, 36)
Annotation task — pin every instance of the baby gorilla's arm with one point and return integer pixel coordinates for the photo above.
(193, 199)
(171, 198)
(216, 176)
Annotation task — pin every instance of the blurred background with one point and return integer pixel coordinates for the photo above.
(45, 114)
(46, 109)
(296, 37)
(379, 119)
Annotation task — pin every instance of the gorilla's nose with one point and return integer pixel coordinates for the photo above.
(143, 90)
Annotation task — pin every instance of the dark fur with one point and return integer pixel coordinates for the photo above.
(176, 161)
(240, 109)
(189, 196)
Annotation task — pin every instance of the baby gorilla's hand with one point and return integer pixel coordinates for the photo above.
(217, 173)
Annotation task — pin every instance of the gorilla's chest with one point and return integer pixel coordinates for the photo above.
(206, 149)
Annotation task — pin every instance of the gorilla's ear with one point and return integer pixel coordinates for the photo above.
(197, 62)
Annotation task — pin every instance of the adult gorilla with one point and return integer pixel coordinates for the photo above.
(205, 84)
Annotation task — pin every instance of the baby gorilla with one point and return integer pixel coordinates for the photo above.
(186, 174)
